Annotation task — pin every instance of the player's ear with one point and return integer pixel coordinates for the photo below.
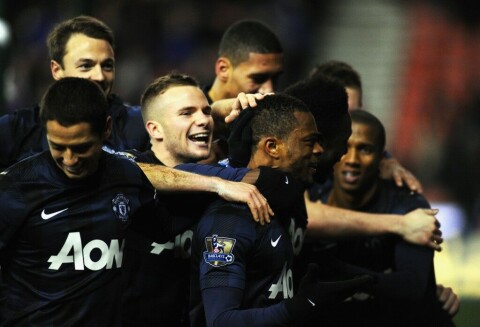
(223, 68)
(57, 70)
(154, 129)
(108, 128)
(272, 147)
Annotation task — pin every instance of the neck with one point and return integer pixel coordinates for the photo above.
(164, 156)
(216, 93)
(258, 159)
(351, 200)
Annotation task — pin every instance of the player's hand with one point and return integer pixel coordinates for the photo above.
(390, 168)
(314, 294)
(421, 227)
(240, 139)
(248, 194)
(243, 101)
(450, 301)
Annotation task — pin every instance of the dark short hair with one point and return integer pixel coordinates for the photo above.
(73, 100)
(326, 99)
(364, 117)
(160, 86)
(274, 116)
(247, 36)
(339, 71)
(92, 27)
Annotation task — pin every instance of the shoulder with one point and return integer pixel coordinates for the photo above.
(281, 189)
(227, 218)
(121, 165)
(320, 191)
(402, 198)
(120, 159)
(22, 117)
(118, 106)
(27, 169)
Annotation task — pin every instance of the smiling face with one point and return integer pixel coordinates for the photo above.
(357, 170)
(89, 58)
(258, 74)
(75, 149)
(300, 152)
(180, 125)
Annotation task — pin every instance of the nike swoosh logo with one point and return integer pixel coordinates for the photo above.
(50, 215)
(274, 243)
(311, 302)
(286, 179)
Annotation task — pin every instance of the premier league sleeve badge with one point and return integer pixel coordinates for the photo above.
(219, 250)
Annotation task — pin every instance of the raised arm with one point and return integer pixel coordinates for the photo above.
(418, 227)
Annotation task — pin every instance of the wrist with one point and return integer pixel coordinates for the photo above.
(216, 185)
(397, 225)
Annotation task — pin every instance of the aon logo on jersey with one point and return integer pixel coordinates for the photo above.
(284, 284)
(297, 235)
(181, 245)
(74, 252)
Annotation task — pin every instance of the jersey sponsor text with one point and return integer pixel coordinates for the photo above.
(74, 252)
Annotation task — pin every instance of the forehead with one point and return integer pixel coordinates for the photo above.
(306, 124)
(178, 97)
(68, 135)
(271, 63)
(81, 45)
(364, 133)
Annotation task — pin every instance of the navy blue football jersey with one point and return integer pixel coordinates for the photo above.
(22, 133)
(405, 292)
(156, 276)
(241, 270)
(62, 240)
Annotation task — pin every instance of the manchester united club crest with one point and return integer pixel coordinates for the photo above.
(219, 251)
(120, 207)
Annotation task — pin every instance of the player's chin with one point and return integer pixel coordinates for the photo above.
(200, 154)
(76, 174)
(306, 177)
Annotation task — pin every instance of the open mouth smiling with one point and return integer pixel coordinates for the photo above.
(202, 138)
(351, 176)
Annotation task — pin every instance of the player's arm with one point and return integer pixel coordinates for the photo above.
(222, 309)
(222, 284)
(227, 173)
(173, 180)
(14, 210)
(276, 186)
(8, 131)
(313, 295)
(409, 281)
(418, 227)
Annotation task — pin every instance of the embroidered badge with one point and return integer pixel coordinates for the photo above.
(120, 207)
(219, 251)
